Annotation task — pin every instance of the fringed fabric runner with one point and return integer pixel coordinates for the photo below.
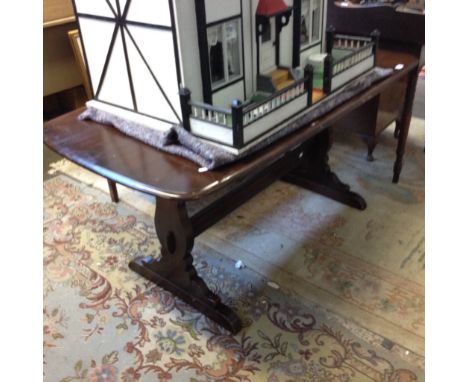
(180, 142)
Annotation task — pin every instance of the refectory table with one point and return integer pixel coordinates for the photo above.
(300, 158)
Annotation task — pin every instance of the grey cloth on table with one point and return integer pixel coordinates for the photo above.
(180, 142)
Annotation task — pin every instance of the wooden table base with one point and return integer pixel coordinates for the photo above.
(195, 294)
(306, 165)
(174, 270)
(314, 173)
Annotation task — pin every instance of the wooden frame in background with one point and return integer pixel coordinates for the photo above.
(75, 41)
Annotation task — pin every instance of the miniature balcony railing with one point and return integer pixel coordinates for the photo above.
(361, 57)
(231, 123)
(256, 111)
(342, 41)
(211, 114)
(357, 56)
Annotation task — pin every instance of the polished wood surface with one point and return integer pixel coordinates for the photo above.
(300, 158)
(56, 12)
(127, 161)
(394, 26)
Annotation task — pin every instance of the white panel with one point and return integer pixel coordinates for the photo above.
(128, 115)
(352, 73)
(268, 51)
(116, 86)
(324, 22)
(150, 11)
(157, 48)
(286, 40)
(286, 44)
(96, 36)
(94, 7)
(123, 3)
(114, 5)
(221, 9)
(225, 96)
(280, 115)
(248, 54)
(188, 46)
(211, 131)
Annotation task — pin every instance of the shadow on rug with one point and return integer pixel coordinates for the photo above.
(102, 322)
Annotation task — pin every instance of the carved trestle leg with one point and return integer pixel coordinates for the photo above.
(405, 123)
(174, 270)
(314, 173)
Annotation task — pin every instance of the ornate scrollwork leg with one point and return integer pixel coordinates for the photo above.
(314, 173)
(174, 270)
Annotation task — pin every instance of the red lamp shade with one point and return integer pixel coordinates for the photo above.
(270, 8)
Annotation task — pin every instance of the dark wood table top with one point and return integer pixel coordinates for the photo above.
(132, 163)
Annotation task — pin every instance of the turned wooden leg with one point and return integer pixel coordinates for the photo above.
(314, 173)
(371, 142)
(405, 123)
(174, 270)
(113, 191)
(396, 132)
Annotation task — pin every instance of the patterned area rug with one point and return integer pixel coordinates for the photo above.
(368, 265)
(328, 294)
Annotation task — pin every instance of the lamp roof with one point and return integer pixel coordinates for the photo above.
(270, 8)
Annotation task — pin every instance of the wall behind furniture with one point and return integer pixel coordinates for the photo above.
(60, 71)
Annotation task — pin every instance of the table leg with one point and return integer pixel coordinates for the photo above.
(174, 270)
(314, 173)
(371, 142)
(396, 132)
(113, 191)
(405, 123)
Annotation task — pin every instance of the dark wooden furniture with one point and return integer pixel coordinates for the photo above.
(399, 32)
(301, 158)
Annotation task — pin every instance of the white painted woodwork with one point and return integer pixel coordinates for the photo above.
(211, 131)
(96, 48)
(150, 12)
(267, 51)
(351, 73)
(122, 3)
(186, 26)
(224, 97)
(157, 48)
(94, 7)
(116, 86)
(249, 42)
(220, 9)
(277, 116)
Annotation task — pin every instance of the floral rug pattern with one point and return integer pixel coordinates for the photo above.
(103, 322)
(365, 264)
